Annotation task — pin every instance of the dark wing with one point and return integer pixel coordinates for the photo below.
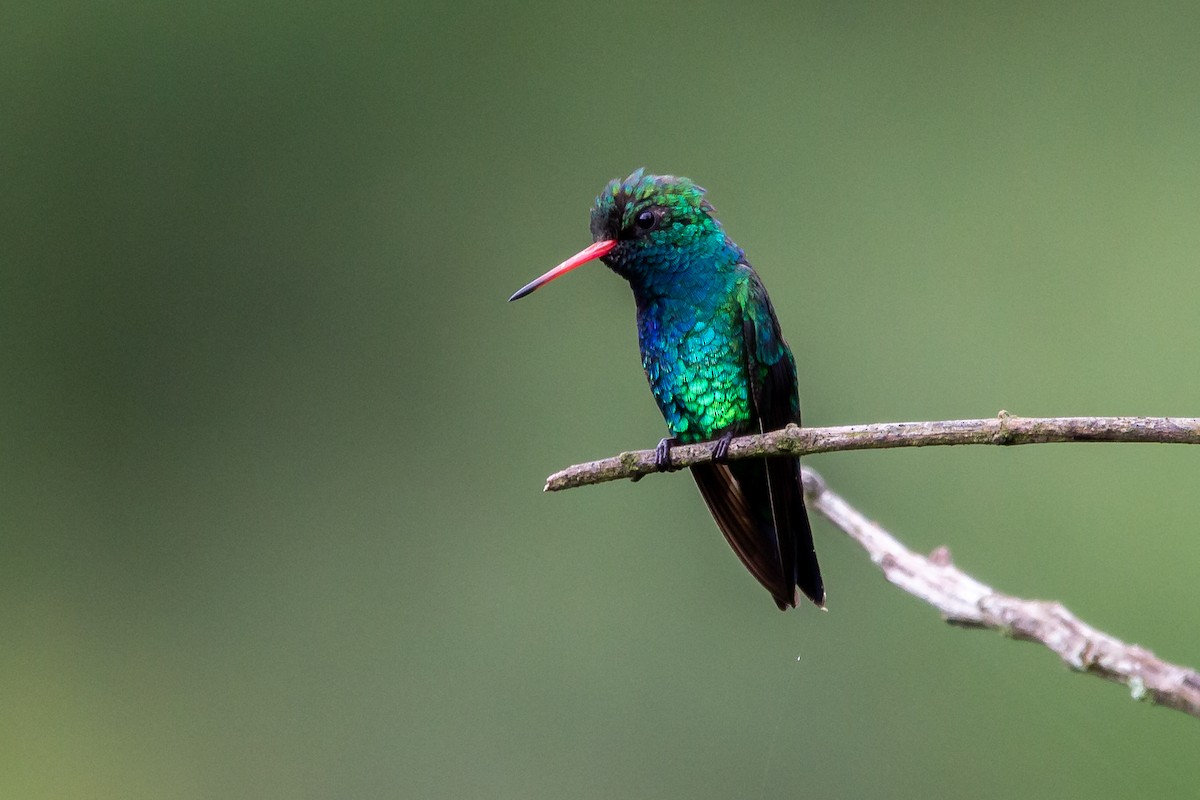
(773, 393)
(737, 505)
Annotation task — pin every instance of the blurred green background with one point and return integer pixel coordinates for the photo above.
(273, 442)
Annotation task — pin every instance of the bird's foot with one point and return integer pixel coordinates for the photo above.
(662, 454)
(662, 458)
(721, 448)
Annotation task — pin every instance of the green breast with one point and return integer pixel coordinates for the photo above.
(695, 359)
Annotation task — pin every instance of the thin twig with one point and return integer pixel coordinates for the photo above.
(966, 602)
(795, 441)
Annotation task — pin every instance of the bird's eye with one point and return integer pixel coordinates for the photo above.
(646, 220)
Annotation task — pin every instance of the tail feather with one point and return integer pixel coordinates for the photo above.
(759, 507)
(792, 528)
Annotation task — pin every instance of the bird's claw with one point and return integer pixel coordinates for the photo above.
(662, 458)
(662, 454)
(721, 448)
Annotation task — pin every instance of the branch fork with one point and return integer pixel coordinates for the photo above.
(962, 600)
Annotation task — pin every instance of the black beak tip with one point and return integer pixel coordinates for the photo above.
(519, 293)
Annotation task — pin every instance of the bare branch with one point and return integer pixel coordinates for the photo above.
(962, 600)
(966, 602)
(796, 441)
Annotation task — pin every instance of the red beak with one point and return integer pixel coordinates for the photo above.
(579, 259)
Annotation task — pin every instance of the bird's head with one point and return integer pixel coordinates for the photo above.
(646, 227)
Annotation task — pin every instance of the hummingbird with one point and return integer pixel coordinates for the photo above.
(717, 364)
